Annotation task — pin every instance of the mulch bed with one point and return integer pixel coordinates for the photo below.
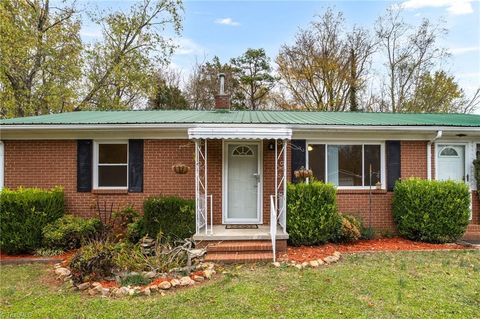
(25, 258)
(307, 253)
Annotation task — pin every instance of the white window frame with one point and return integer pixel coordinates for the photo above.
(363, 143)
(96, 164)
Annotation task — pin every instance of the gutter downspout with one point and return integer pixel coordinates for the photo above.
(429, 154)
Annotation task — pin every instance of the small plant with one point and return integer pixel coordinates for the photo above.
(69, 232)
(135, 280)
(47, 252)
(367, 233)
(122, 219)
(351, 229)
(136, 230)
(93, 261)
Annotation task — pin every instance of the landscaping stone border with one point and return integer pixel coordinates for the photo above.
(335, 257)
(203, 271)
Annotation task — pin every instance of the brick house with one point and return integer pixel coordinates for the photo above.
(240, 162)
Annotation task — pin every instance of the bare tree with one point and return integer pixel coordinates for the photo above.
(411, 52)
(325, 67)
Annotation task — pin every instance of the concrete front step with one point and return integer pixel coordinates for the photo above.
(239, 257)
(473, 228)
(471, 236)
(238, 246)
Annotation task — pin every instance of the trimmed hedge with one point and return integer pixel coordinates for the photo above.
(174, 217)
(431, 211)
(23, 214)
(313, 216)
(69, 232)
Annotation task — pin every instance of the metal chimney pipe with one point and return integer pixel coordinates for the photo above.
(221, 77)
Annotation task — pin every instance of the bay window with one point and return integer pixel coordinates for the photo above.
(349, 165)
(111, 164)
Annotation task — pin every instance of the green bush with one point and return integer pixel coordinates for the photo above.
(476, 166)
(173, 217)
(69, 232)
(313, 216)
(431, 211)
(23, 214)
(351, 229)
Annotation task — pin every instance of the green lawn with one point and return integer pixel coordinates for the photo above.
(381, 285)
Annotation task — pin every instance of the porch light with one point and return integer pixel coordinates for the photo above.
(271, 146)
(310, 148)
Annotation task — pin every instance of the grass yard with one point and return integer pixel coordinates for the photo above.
(442, 284)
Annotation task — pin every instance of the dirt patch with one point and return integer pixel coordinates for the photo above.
(307, 253)
(61, 257)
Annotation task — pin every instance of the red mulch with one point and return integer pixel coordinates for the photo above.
(109, 284)
(63, 256)
(307, 253)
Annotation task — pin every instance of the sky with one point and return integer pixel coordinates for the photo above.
(227, 28)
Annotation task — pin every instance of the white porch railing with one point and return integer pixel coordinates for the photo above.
(273, 226)
(203, 201)
(204, 216)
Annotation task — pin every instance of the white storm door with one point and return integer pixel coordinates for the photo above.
(451, 162)
(243, 183)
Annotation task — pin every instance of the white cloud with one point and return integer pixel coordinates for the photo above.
(455, 7)
(187, 46)
(227, 21)
(456, 51)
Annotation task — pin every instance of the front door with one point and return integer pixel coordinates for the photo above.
(451, 162)
(242, 183)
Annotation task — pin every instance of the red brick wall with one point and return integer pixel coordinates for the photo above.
(475, 208)
(47, 164)
(414, 159)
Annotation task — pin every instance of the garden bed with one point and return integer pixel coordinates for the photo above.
(307, 253)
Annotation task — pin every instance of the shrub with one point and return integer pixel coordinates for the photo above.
(312, 213)
(351, 229)
(431, 211)
(23, 214)
(93, 261)
(69, 232)
(173, 217)
(476, 167)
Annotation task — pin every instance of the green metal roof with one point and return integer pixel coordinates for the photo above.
(248, 117)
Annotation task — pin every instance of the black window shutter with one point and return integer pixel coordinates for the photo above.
(393, 163)
(84, 165)
(298, 156)
(135, 166)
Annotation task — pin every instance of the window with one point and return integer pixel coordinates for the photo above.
(448, 152)
(242, 150)
(111, 165)
(347, 165)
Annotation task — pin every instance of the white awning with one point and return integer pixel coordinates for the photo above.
(240, 133)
